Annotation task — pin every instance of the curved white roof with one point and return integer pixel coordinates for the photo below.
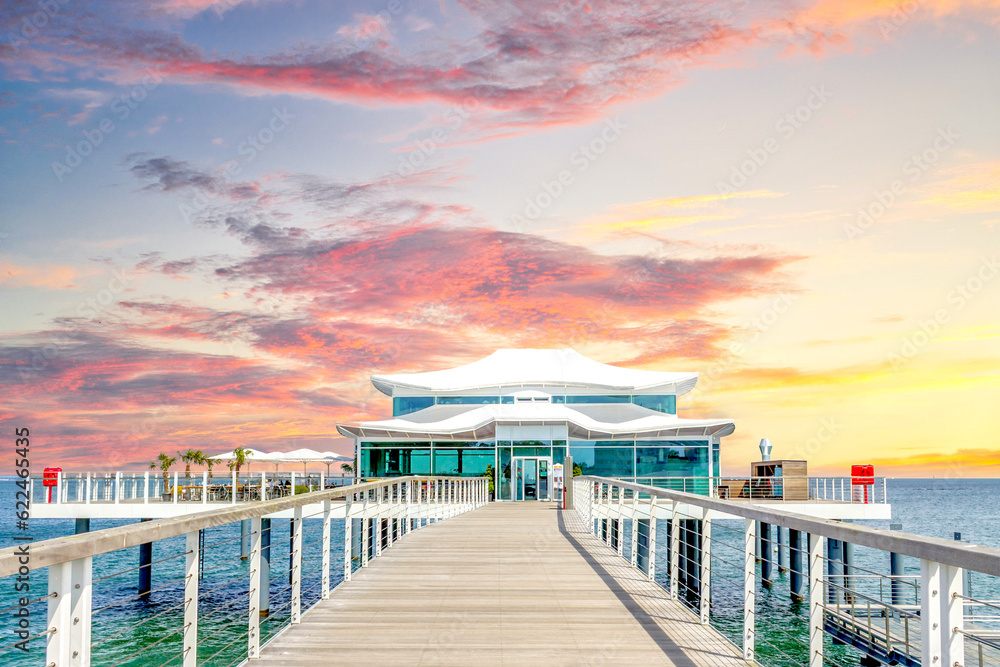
(446, 422)
(536, 368)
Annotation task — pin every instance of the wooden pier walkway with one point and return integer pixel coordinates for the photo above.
(507, 584)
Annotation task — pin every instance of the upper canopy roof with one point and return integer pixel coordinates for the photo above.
(594, 422)
(536, 368)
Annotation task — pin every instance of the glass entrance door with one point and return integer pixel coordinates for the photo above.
(531, 477)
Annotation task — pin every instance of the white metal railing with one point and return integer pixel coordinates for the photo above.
(177, 487)
(852, 490)
(381, 512)
(930, 619)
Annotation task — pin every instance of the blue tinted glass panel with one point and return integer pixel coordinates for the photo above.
(558, 399)
(395, 462)
(506, 399)
(468, 400)
(598, 399)
(603, 461)
(404, 405)
(673, 460)
(662, 403)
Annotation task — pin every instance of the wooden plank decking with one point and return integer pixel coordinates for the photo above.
(507, 584)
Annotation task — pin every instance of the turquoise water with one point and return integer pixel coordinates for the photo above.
(928, 507)
(134, 632)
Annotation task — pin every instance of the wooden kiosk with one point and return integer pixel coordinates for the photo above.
(781, 480)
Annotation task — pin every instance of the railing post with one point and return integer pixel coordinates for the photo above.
(58, 489)
(651, 571)
(175, 487)
(90, 487)
(235, 489)
(325, 578)
(705, 583)
(952, 616)
(620, 521)
(297, 565)
(190, 632)
(292, 486)
(675, 551)
(816, 600)
(253, 630)
(263, 485)
(366, 529)
(69, 613)
(348, 539)
(145, 487)
(634, 548)
(930, 613)
(378, 521)
(204, 487)
(749, 589)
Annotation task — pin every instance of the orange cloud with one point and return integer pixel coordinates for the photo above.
(668, 213)
(45, 276)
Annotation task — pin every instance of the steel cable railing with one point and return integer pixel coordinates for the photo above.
(199, 580)
(673, 541)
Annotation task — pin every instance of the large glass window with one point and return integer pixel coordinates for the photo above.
(671, 459)
(468, 400)
(462, 462)
(504, 454)
(395, 462)
(598, 399)
(603, 461)
(404, 405)
(661, 403)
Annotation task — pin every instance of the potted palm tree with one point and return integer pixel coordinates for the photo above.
(489, 473)
(189, 456)
(163, 462)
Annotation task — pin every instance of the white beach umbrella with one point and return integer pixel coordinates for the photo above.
(252, 455)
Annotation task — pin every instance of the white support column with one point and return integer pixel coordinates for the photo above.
(235, 488)
(69, 613)
(263, 485)
(175, 487)
(952, 616)
(675, 551)
(297, 566)
(366, 537)
(90, 487)
(256, 563)
(931, 605)
(620, 522)
(204, 487)
(816, 600)
(59, 487)
(705, 583)
(377, 551)
(651, 572)
(348, 539)
(190, 632)
(118, 487)
(325, 591)
(634, 550)
(145, 488)
(749, 588)
(292, 486)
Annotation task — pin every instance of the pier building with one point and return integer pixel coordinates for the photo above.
(519, 412)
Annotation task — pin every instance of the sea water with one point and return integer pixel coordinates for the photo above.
(132, 631)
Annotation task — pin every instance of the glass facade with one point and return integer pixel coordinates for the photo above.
(674, 464)
(404, 405)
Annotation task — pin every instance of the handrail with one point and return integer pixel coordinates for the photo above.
(72, 547)
(959, 554)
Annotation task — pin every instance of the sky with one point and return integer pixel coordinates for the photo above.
(218, 219)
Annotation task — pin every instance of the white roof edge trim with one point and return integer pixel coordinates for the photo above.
(536, 368)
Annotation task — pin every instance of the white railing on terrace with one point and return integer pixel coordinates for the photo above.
(194, 625)
(930, 619)
(178, 487)
(868, 490)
